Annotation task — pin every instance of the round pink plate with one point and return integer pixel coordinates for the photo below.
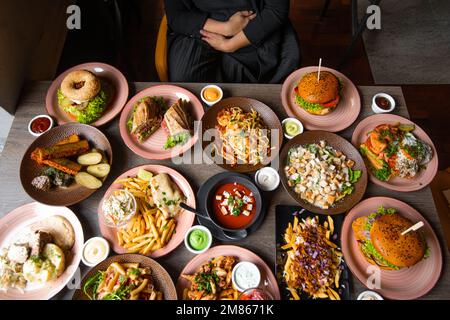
(25, 216)
(240, 254)
(423, 178)
(184, 220)
(404, 284)
(339, 119)
(108, 73)
(153, 147)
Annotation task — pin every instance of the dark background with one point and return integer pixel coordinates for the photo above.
(326, 38)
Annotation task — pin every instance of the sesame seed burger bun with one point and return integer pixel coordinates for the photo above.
(399, 250)
(318, 97)
(323, 91)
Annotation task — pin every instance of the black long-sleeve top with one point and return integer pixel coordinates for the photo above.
(189, 16)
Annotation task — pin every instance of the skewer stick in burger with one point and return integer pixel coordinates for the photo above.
(318, 97)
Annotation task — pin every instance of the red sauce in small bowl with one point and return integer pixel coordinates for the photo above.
(254, 294)
(40, 125)
(383, 103)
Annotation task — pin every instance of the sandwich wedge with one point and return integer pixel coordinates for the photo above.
(177, 123)
(146, 118)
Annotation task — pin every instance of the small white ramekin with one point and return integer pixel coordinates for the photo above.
(211, 103)
(233, 275)
(298, 122)
(186, 239)
(273, 187)
(371, 294)
(108, 249)
(41, 133)
(377, 109)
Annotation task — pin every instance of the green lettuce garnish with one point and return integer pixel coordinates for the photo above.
(381, 174)
(370, 250)
(180, 138)
(307, 105)
(91, 113)
(354, 175)
(427, 253)
(381, 211)
(314, 106)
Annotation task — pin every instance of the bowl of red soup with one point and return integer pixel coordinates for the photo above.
(233, 202)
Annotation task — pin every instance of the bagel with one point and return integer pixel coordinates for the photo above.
(80, 86)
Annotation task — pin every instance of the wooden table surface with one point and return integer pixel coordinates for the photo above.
(262, 242)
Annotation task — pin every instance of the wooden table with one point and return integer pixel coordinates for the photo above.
(261, 242)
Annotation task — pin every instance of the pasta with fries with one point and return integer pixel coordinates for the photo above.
(244, 136)
(122, 281)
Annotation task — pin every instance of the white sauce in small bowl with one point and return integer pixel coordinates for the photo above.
(245, 275)
(95, 250)
(267, 179)
(369, 295)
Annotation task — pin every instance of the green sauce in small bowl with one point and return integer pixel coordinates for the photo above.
(198, 239)
(292, 127)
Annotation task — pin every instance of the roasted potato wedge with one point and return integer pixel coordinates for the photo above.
(87, 180)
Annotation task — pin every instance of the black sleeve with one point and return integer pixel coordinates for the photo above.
(183, 17)
(271, 18)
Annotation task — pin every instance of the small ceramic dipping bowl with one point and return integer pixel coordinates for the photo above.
(40, 125)
(383, 103)
(292, 121)
(95, 250)
(187, 239)
(211, 94)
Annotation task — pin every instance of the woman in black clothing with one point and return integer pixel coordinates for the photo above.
(230, 41)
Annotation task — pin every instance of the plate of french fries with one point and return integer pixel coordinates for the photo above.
(194, 282)
(152, 231)
(310, 263)
(127, 277)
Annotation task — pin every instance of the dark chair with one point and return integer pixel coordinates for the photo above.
(358, 27)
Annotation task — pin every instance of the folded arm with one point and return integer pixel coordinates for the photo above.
(270, 19)
(224, 44)
(184, 18)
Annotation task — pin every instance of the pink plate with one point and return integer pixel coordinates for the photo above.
(423, 178)
(153, 147)
(339, 119)
(184, 220)
(240, 254)
(26, 216)
(104, 71)
(408, 283)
